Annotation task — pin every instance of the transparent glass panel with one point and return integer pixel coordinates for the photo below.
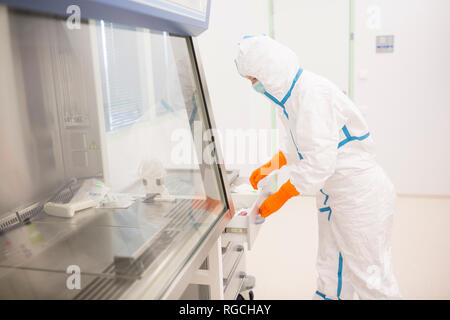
(196, 292)
(106, 113)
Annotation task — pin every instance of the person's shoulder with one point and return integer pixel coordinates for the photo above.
(320, 85)
(313, 83)
(315, 79)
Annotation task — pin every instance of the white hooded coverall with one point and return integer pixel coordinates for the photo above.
(330, 153)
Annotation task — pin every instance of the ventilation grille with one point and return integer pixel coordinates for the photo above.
(12, 220)
(9, 222)
(26, 214)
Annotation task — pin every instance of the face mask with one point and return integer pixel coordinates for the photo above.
(259, 87)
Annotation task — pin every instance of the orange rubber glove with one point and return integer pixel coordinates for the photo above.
(275, 201)
(277, 161)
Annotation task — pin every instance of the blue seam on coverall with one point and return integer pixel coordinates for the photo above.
(283, 101)
(326, 196)
(339, 288)
(288, 94)
(326, 209)
(296, 147)
(349, 137)
(271, 97)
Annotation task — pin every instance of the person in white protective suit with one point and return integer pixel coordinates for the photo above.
(330, 153)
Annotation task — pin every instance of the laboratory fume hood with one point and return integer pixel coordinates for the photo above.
(107, 98)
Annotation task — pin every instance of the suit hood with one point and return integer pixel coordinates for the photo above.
(267, 60)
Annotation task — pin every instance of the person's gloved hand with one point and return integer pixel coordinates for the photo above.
(277, 161)
(275, 201)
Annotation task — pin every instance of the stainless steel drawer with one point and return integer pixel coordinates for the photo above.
(246, 226)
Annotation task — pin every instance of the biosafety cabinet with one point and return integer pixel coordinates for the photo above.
(111, 179)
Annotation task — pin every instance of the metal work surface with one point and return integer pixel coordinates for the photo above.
(109, 246)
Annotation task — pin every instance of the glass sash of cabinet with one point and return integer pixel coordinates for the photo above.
(112, 104)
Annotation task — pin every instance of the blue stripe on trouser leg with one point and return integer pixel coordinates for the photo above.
(339, 288)
(333, 281)
(323, 296)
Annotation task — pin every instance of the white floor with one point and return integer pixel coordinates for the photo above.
(283, 258)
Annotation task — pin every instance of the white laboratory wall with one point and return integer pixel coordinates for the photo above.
(237, 108)
(406, 94)
(318, 31)
(410, 86)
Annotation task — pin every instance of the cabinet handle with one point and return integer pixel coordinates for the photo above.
(226, 248)
(227, 280)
